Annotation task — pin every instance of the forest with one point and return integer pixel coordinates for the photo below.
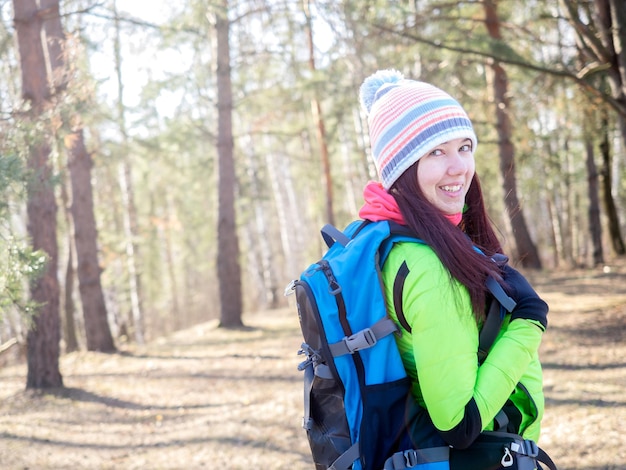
(167, 163)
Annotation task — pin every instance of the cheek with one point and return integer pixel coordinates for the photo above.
(470, 174)
(428, 174)
(423, 181)
(472, 166)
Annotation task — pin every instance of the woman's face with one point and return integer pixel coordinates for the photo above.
(444, 175)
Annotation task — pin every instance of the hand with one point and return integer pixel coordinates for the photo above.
(529, 305)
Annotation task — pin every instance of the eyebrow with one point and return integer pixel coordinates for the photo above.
(448, 141)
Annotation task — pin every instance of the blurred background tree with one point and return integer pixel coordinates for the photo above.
(192, 223)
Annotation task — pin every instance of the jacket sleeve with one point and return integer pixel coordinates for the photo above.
(461, 397)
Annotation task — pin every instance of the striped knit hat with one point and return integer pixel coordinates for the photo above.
(408, 118)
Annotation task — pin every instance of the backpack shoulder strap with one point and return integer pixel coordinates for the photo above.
(489, 331)
(397, 233)
(332, 234)
(500, 304)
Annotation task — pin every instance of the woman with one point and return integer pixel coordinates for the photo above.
(423, 144)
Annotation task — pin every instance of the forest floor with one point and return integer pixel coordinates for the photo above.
(232, 399)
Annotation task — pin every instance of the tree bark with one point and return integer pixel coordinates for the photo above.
(285, 201)
(44, 335)
(595, 224)
(228, 267)
(260, 236)
(611, 27)
(617, 242)
(318, 117)
(69, 308)
(526, 249)
(170, 266)
(98, 333)
(71, 339)
(603, 41)
(55, 43)
(136, 319)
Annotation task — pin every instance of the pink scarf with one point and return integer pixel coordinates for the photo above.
(380, 205)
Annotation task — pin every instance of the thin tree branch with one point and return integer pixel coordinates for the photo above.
(579, 78)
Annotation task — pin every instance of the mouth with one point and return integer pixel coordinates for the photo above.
(452, 188)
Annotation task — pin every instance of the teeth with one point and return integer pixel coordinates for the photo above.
(452, 189)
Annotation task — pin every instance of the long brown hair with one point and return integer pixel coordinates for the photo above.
(454, 247)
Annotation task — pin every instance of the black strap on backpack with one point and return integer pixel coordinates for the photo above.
(499, 305)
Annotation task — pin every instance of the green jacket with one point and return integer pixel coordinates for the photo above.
(440, 353)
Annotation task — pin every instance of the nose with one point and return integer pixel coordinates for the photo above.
(457, 163)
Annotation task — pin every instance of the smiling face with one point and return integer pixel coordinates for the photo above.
(444, 175)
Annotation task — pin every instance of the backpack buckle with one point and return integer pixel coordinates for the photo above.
(532, 450)
(527, 447)
(307, 423)
(312, 357)
(410, 458)
(362, 340)
(290, 288)
(507, 458)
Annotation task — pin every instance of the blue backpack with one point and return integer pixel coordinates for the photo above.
(358, 410)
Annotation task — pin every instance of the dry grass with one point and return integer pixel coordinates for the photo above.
(584, 359)
(203, 398)
(212, 398)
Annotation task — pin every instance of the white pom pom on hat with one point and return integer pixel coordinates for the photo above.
(374, 82)
(408, 118)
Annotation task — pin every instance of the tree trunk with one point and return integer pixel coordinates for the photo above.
(129, 215)
(612, 32)
(567, 209)
(98, 333)
(316, 109)
(353, 185)
(595, 224)
(55, 43)
(259, 247)
(44, 335)
(617, 242)
(526, 249)
(170, 266)
(554, 227)
(604, 42)
(71, 339)
(69, 308)
(285, 201)
(228, 268)
(128, 198)
(611, 25)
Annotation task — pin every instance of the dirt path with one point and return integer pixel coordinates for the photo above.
(584, 360)
(208, 398)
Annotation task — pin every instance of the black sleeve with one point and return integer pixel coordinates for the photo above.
(465, 433)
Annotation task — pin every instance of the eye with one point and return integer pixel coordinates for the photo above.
(436, 152)
(466, 147)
